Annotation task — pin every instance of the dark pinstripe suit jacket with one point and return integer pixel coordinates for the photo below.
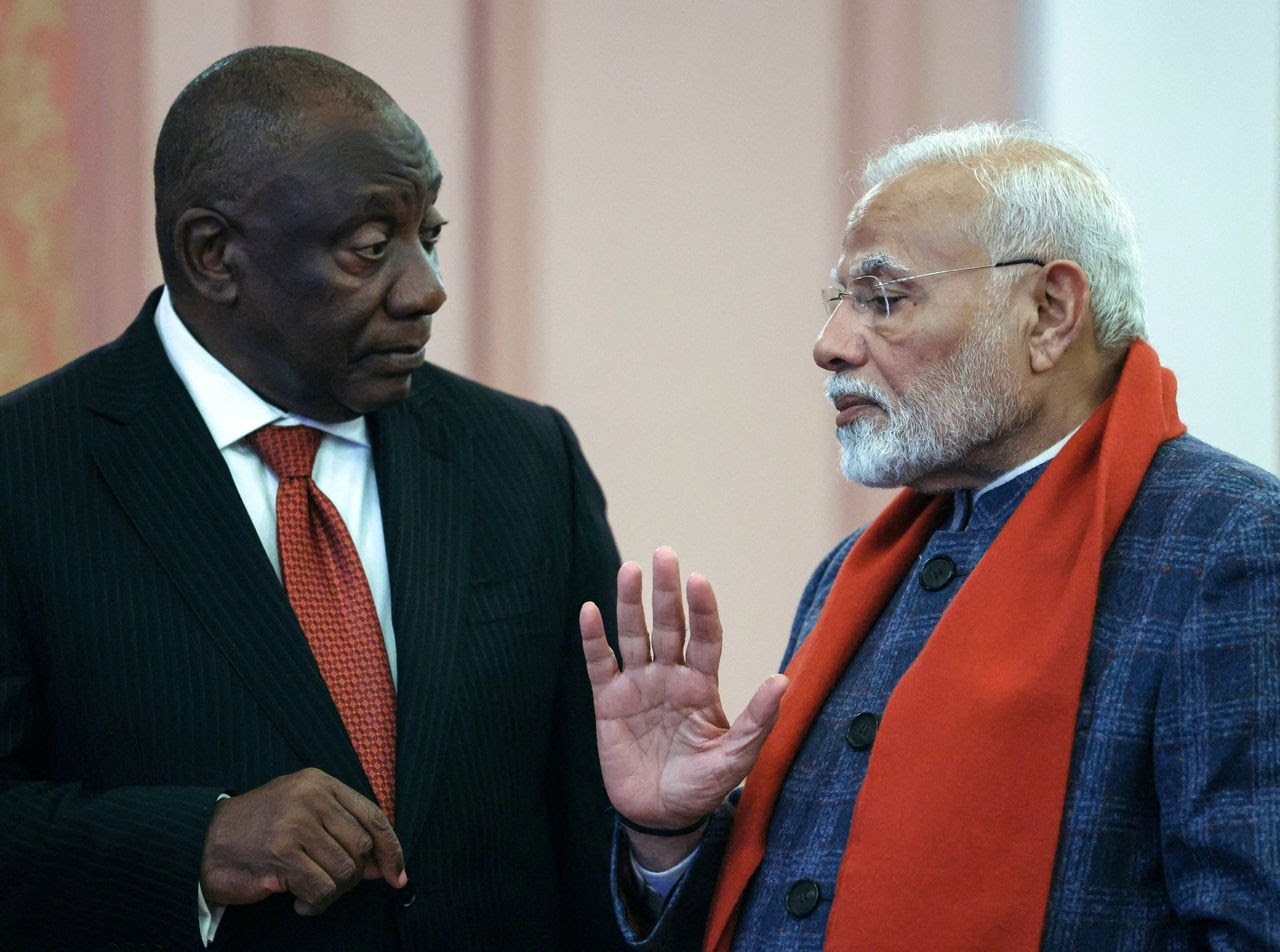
(149, 660)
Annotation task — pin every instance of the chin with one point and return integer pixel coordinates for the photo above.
(379, 395)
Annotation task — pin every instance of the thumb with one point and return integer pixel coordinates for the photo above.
(747, 735)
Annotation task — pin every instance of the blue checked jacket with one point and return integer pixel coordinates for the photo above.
(1171, 828)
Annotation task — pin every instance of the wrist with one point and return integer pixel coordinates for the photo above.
(660, 853)
(663, 831)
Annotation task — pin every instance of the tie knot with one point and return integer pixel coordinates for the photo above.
(290, 451)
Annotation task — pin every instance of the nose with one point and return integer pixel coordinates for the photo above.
(419, 288)
(842, 344)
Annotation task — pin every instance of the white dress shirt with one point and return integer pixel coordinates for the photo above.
(343, 471)
(1026, 467)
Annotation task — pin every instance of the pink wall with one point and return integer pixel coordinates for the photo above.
(114, 241)
(643, 199)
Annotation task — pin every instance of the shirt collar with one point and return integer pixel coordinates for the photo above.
(229, 407)
(1026, 467)
(964, 500)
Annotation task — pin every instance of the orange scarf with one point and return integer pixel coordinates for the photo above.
(953, 837)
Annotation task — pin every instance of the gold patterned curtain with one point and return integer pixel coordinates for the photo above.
(38, 327)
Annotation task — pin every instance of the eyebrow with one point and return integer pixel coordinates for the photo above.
(881, 263)
(378, 205)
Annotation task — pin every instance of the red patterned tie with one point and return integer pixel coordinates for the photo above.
(330, 595)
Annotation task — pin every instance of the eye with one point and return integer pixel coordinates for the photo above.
(430, 235)
(891, 302)
(374, 251)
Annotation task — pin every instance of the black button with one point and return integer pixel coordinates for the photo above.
(862, 730)
(937, 572)
(802, 897)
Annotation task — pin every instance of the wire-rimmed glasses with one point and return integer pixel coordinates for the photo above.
(871, 298)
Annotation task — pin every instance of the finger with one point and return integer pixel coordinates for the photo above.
(343, 867)
(353, 839)
(668, 608)
(743, 740)
(385, 853)
(313, 890)
(633, 633)
(705, 634)
(602, 666)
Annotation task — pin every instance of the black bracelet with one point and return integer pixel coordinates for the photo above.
(654, 831)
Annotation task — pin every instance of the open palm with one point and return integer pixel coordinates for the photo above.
(667, 751)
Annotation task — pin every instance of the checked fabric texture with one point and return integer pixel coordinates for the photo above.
(330, 595)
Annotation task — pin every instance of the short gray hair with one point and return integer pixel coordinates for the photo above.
(1046, 200)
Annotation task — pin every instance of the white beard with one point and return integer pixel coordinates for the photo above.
(971, 399)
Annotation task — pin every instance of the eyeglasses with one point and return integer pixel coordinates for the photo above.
(870, 297)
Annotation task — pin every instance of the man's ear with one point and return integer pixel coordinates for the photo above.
(1062, 312)
(204, 239)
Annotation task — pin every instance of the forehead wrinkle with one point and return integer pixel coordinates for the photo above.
(379, 204)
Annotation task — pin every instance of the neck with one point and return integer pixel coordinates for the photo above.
(1067, 403)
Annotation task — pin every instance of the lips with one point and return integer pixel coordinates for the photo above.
(401, 359)
(850, 406)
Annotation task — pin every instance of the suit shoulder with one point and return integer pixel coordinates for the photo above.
(1200, 487)
(493, 419)
(1188, 458)
(58, 387)
(47, 415)
(481, 404)
(1198, 509)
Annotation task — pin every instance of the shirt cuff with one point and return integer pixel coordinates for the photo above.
(659, 884)
(208, 918)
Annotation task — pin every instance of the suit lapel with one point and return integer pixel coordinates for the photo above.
(424, 486)
(155, 453)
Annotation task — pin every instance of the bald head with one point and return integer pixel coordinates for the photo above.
(227, 130)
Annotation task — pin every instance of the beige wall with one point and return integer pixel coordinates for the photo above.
(691, 204)
(644, 198)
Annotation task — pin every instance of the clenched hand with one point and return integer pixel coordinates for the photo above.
(305, 834)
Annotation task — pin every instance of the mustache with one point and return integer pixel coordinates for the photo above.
(847, 385)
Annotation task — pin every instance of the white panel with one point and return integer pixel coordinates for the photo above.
(1179, 101)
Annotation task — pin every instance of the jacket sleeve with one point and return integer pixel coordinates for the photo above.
(1217, 742)
(82, 867)
(581, 814)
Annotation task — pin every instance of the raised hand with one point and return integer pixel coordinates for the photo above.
(306, 834)
(667, 751)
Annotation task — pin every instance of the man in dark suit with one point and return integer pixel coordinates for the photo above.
(393, 749)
